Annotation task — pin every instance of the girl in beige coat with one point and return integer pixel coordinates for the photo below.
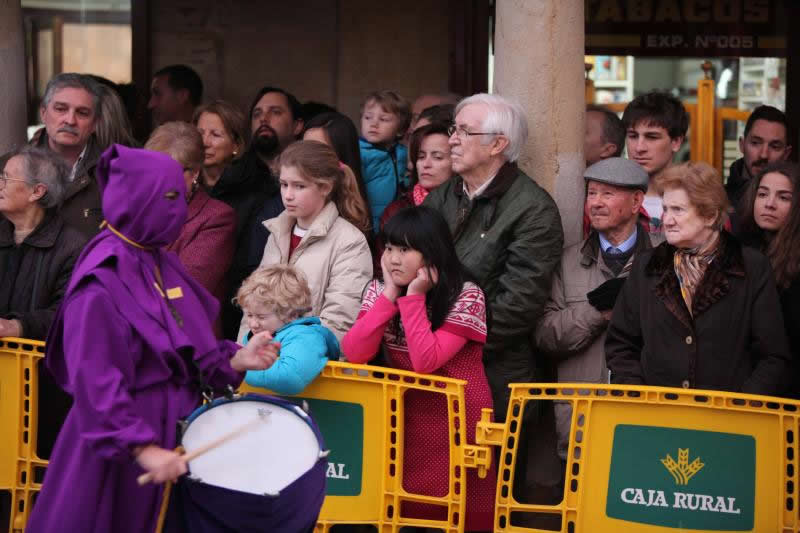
(321, 232)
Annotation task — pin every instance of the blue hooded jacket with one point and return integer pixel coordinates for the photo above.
(306, 346)
(383, 171)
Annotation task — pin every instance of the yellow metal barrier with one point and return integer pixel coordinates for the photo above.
(20, 469)
(640, 459)
(720, 116)
(652, 459)
(359, 409)
(374, 397)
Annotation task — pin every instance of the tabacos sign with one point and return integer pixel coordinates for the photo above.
(682, 478)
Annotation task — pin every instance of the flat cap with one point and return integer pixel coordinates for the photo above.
(618, 171)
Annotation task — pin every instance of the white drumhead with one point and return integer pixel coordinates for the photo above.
(263, 460)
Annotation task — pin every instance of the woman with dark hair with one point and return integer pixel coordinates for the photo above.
(429, 161)
(338, 132)
(699, 311)
(431, 318)
(770, 219)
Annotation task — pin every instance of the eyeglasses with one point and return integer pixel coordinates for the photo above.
(462, 132)
(4, 178)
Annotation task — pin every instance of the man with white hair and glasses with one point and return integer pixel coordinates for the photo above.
(507, 232)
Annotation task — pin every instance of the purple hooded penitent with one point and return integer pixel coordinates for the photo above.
(128, 350)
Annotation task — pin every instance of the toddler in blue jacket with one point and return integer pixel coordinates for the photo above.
(274, 299)
(385, 117)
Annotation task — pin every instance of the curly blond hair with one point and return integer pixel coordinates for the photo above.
(283, 288)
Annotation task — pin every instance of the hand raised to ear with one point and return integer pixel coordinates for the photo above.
(426, 278)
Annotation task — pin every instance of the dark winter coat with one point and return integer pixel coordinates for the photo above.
(510, 238)
(34, 275)
(734, 339)
(245, 185)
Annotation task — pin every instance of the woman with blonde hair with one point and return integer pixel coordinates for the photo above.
(699, 311)
(205, 244)
(113, 125)
(223, 129)
(321, 232)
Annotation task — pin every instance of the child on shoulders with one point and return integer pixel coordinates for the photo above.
(274, 299)
(385, 117)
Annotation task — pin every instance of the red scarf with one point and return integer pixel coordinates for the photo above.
(419, 193)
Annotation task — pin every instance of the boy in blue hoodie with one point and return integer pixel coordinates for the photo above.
(385, 117)
(275, 299)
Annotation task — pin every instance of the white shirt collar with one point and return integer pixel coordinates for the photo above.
(480, 190)
(623, 247)
(72, 172)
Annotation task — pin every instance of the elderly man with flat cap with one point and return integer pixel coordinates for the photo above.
(573, 327)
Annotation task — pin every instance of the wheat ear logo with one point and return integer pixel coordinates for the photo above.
(682, 471)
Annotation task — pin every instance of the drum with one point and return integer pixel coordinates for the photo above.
(269, 477)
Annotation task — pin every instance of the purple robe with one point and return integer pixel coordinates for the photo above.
(118, 348)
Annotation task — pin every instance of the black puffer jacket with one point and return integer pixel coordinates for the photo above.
(246, 186)
(34, 275)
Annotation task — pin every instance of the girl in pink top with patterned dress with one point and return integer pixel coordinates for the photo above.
(431, 319)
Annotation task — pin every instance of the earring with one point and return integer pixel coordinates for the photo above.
(235, 153)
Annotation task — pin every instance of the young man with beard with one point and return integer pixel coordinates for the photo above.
(250, 187)
(766, 140)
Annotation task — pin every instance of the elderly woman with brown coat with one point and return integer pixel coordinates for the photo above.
(699, 311)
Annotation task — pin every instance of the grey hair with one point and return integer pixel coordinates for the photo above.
(504, 117)
(75, 81)
(45, 167)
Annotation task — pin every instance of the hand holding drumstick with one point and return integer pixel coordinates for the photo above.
(165, 465)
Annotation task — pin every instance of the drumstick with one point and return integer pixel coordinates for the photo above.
(147, 477)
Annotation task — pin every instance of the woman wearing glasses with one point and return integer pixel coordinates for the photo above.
(37, 253)
(37, 249)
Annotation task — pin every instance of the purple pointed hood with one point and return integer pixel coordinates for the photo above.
(144, 194)
(144, 201)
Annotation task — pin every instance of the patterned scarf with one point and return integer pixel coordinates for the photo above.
(419, 193)
(690, 267)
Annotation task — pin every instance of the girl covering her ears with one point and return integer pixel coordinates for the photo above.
(321, 232)
(441, 329)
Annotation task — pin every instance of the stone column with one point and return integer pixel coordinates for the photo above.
(539, 61)
(13, 102)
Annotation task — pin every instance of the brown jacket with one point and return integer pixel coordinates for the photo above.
(571, 330)
(733, 340)
(82, 204)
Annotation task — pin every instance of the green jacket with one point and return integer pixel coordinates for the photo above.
(510, 239)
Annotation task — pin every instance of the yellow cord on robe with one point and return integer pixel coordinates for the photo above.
(116, 232)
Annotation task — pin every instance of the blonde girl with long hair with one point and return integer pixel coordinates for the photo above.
(321, 232)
